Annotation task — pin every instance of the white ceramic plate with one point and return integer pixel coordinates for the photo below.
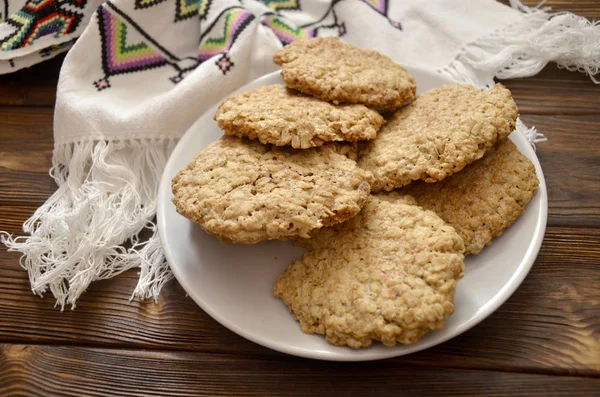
(234, 283)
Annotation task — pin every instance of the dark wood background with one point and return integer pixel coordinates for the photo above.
(544, 340)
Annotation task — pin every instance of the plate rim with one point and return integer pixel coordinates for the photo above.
(486, 310)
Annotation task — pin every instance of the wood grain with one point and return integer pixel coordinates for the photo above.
(45, 370)
(550, 325)
(25, 156)
(586, 8)
(12, 216)
(571, 167)
(29, 188)
(555, 91)
(26, 129)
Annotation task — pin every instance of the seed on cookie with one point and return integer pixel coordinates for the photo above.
(277, 115)
(388, 275)
(243, 191)
(483, 199)
(438, 134)
(334, 71)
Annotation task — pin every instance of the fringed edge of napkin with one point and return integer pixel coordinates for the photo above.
(524, 48)
(530, 133)
(106, 198)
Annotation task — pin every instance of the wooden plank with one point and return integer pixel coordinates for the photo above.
(12, 216)
(24, 187)
(569, 161)
(25, 156)
(556, 92)
(34, 86)
(571, 167)
(26, 128)
(550, 325)
(47, 370)
(586, 8)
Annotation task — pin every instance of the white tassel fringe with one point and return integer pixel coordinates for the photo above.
(526, 47)
(106, 196)
(531, 134)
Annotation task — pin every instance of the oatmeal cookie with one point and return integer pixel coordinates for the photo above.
(244, 192)
(277, 115)
(438, 134)
(483, 199)
(388, 274)
(328, 69)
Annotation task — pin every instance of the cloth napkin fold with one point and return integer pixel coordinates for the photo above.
(142, 71)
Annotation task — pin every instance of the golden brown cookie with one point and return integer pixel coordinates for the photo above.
(244, 192)
(328, 69)
(280, 116)
(438, 134)
(388, 274)
(483, 199)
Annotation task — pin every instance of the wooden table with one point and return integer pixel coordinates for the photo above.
(544, 340)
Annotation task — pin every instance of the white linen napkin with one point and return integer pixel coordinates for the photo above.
(144, 70)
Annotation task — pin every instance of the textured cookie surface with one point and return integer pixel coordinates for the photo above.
(245, 192)
(277, 115)
(389, 274)
(341, 73)
(438, 134)
(483, 199)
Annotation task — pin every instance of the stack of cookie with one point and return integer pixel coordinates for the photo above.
(386, 209)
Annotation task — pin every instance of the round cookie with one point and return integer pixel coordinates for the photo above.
(328, 69)
(244, 192)
(276, 115)
(483, 199)
(389, 274)
(438, 134)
